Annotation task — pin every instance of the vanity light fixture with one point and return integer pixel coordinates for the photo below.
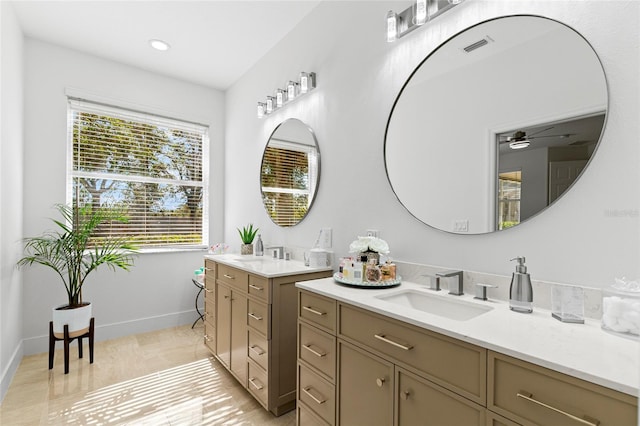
(519, 144)
(271, 105)
(282, 97)
(159, 44)
(419, 13)
(261, 109)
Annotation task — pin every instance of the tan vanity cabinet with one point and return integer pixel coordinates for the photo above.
(448, 362)
(379, 371)
(231, 331)
(210, 305)
(388, 372)
(255, 331)
(529, 394)
(365, 387)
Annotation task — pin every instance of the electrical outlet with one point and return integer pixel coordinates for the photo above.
(461, 225)
(372, 233)
(325, 238)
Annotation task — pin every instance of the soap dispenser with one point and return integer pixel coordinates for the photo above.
(521, 292)
(259, 246)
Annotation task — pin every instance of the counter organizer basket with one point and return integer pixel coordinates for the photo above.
(363, 284)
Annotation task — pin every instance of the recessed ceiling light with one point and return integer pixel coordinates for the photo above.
(159, 44)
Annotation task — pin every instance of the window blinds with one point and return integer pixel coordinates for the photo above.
(285, 182)
(149, 168)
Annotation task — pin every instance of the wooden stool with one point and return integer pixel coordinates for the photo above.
(53, 339)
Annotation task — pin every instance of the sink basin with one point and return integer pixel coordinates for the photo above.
(458, 310)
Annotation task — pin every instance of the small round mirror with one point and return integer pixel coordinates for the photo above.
(290, 172)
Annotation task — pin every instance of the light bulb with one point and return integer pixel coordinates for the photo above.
(261, 107)
(271, 104)
(392, 26)
(281, 97)
(292, 90)
(421, 12)
(304, 82)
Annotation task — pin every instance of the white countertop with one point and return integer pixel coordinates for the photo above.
(584, 351)
(264, 266)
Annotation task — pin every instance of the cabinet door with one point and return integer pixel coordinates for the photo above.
(223, 324)
(365, 388)
(239, 338)
(421, 402)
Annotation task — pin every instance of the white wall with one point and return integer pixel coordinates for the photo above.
(158, 291)
(11, 145)
(587, 238)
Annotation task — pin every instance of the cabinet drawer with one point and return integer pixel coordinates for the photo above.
(518, 390)
(258, 349)
(210, 267)
(209, 309)
(451, 363)
(425, 403)
(259, 287)
(317, 393)
(317, 309)
(494, 419)
(210, 336)
(236, 278)
(258, 316)
(318, 349)
(257, 383)
(305, 417)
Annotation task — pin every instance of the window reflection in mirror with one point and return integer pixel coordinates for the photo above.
(289, 172)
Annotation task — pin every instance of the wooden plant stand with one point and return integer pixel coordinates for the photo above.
(67, 339)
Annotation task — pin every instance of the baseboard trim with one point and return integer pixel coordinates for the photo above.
(10, 370)
(39, 344)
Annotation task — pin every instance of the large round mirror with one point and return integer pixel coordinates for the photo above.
(495, 124)
(290, 172)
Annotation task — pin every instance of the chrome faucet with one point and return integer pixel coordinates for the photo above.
(454, 279)
(434, 282)
(278, 252)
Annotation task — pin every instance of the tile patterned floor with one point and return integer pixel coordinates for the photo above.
(166, 377)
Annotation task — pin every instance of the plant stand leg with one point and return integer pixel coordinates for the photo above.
(80, 346)
(66, 348)
(91, 339)
(52, 344)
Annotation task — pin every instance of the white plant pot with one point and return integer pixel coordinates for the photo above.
(78, 320)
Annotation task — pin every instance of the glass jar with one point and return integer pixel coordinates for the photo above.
(621, 308)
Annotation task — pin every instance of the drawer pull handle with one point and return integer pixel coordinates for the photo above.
(404, 395)
(313, 311)
(207, 290)
(255, 287)
(257, 386)
(380, 382)
(231, 277)
(307, 391)
(209, 269)
(258, 351)
(391, 342)
(316, 353)
(207, 338)
(529, 397)
(254, 316)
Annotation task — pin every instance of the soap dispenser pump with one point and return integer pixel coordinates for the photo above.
(521, 292)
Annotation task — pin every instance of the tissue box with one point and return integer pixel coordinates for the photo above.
(621, 309)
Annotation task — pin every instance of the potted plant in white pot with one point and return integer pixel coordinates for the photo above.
(73, 251)
(247, 234)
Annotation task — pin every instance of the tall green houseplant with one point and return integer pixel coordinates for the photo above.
(72, 250)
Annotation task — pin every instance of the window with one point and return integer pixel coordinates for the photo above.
(286, 178)
(149, 168)
(509, 191)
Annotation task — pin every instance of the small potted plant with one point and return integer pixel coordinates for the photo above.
(73, 252)
(247, 234)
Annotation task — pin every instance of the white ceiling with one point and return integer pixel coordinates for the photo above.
(213, 43)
